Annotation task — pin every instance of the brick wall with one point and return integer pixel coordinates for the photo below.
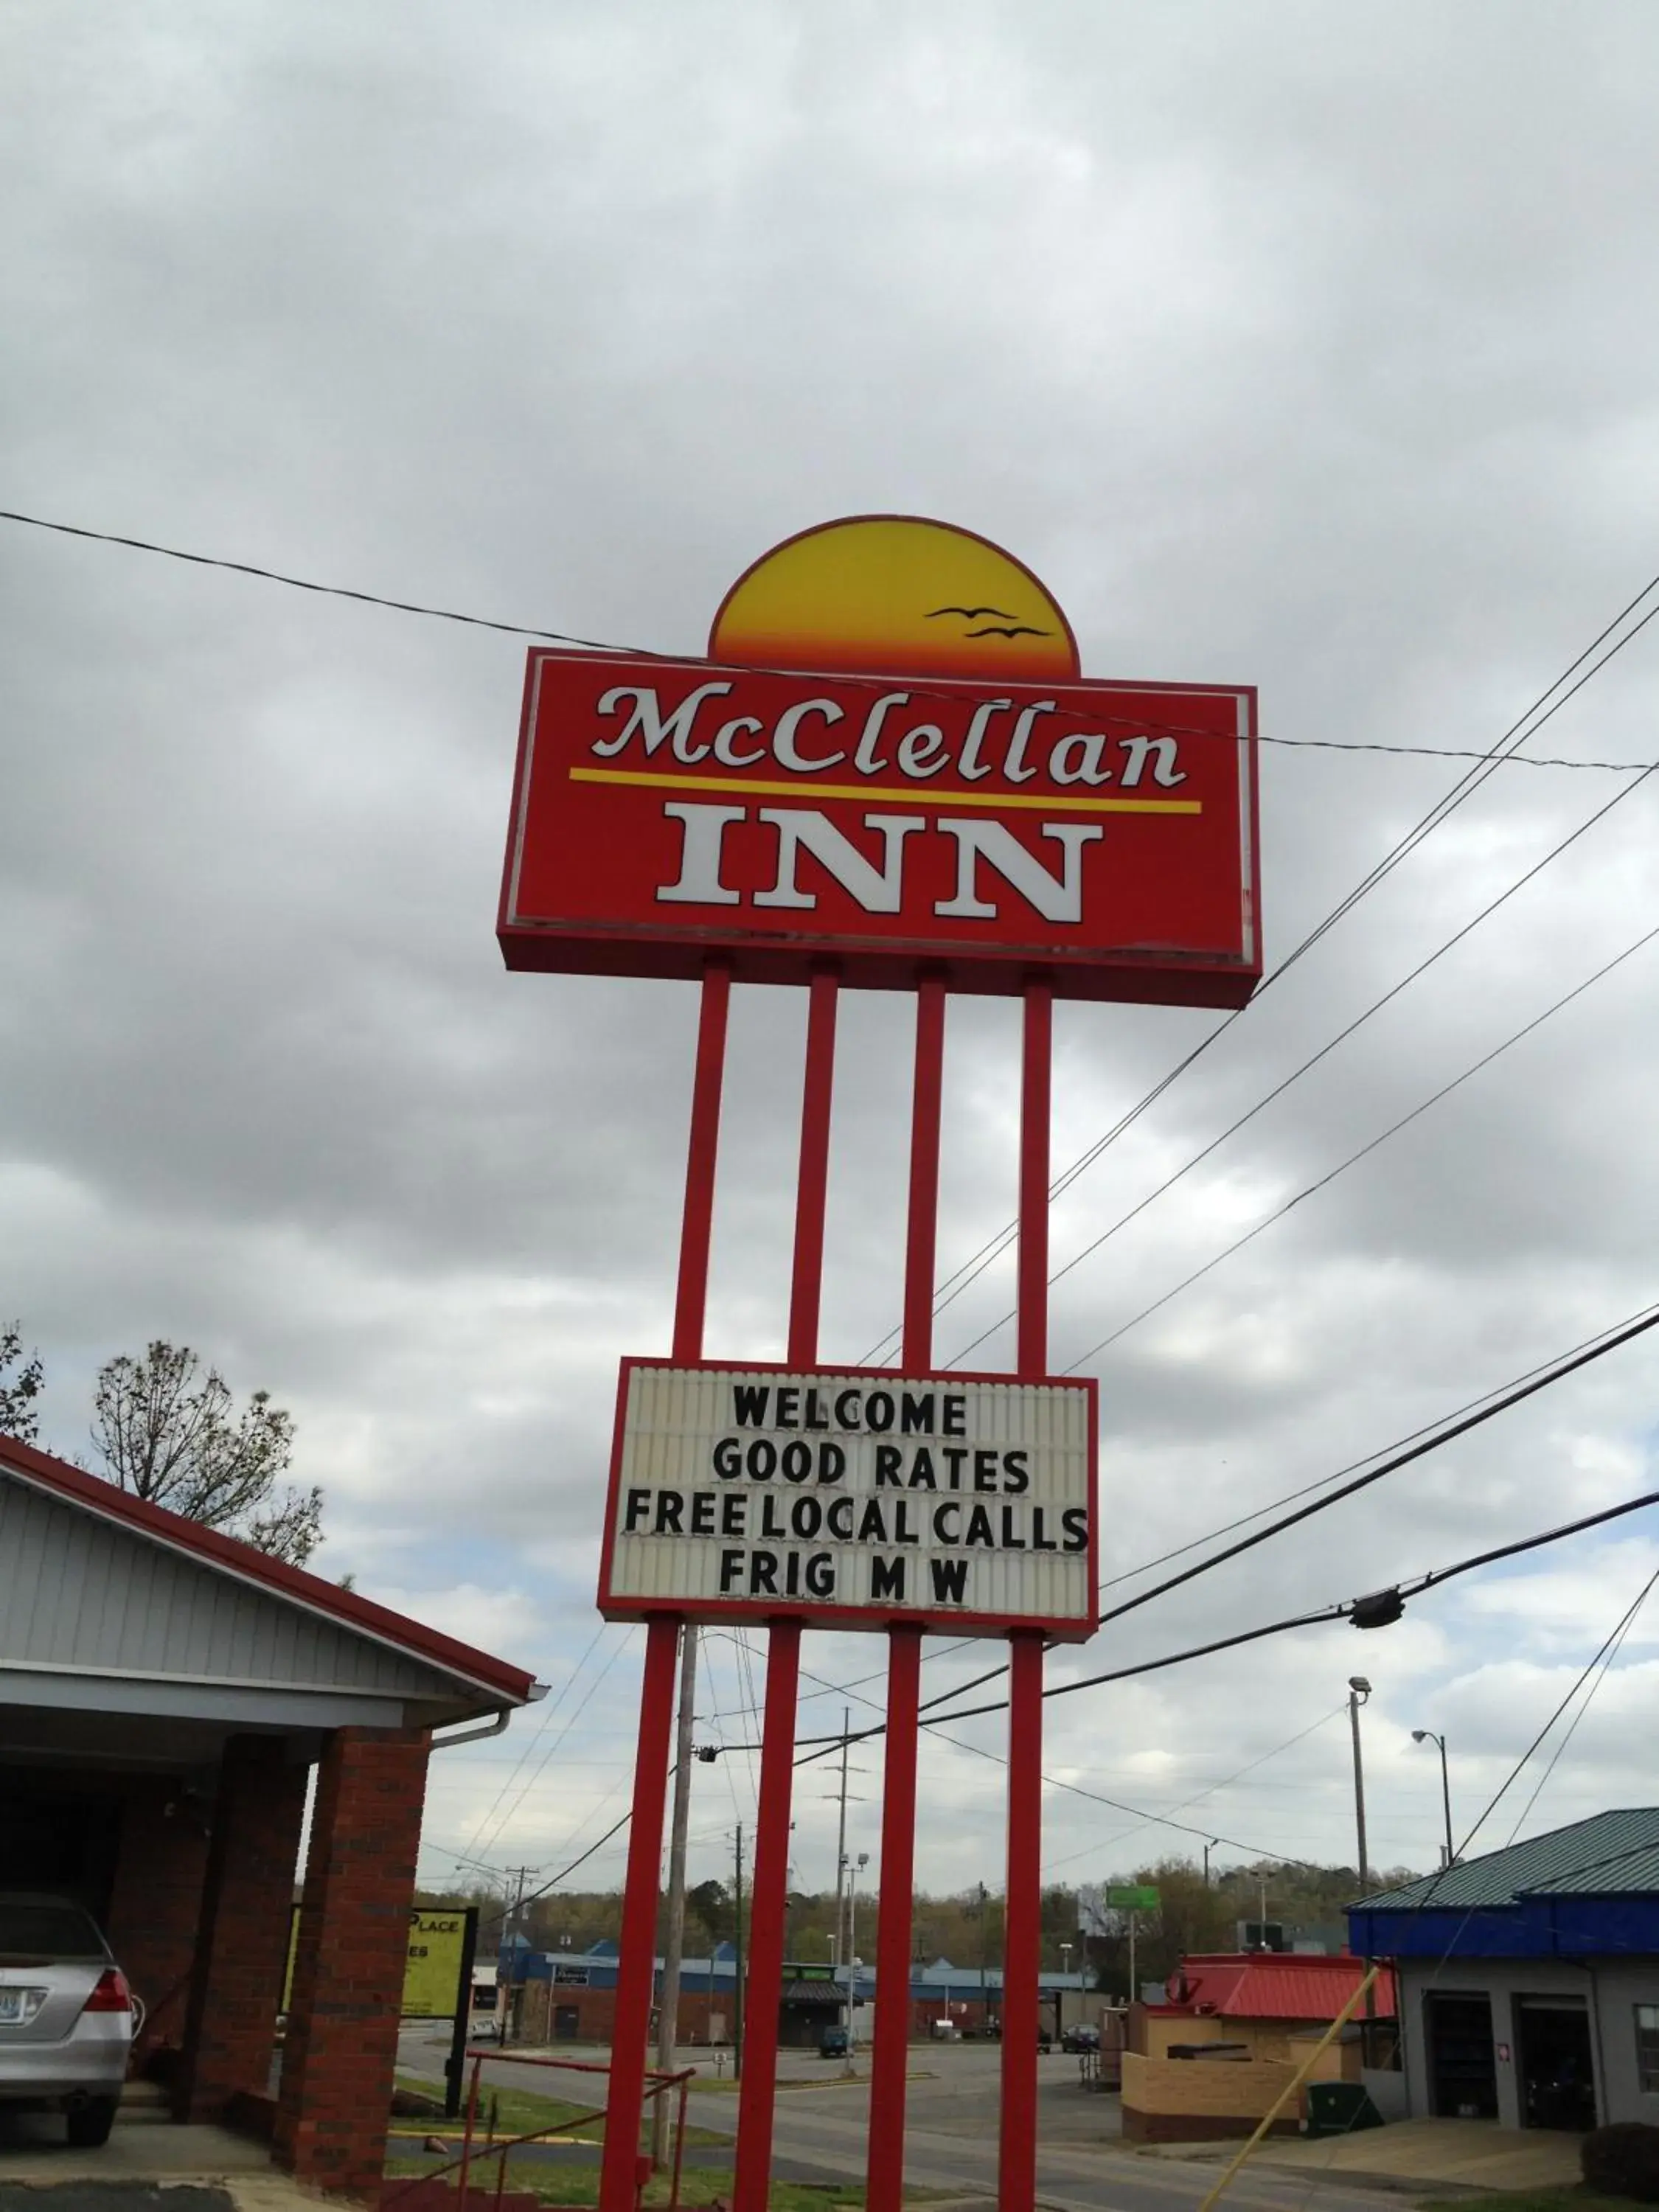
(342, 2047)
(236, 1986)
(155, 1902)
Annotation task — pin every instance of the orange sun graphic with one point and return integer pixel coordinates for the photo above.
(894, 595)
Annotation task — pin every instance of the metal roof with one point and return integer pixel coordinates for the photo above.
(1613, 1854)
(1274, 1985)
(126, 1575)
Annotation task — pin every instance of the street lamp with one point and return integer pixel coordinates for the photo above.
(1428, 1736)
(1359, 1691)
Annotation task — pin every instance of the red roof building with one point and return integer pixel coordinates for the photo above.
(1277, 1986)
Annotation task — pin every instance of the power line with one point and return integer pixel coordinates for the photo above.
(1541, 1379)
(1609, 1653)
(1402, 1590)
(1354, 1159)
(1506, 749)
(1602, 1657)
(311, 584)
(1313, 1061)
(529, 1750)
(1321, 1482)
(533, 1777)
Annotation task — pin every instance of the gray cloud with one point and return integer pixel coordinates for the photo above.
(1306, 347)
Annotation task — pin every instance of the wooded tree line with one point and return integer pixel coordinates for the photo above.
(967, 1926)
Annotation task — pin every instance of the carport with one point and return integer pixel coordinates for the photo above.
(165, 1693)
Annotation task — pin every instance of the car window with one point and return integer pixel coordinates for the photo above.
(43, 1929)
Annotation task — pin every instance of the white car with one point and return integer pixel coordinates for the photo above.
(67, 2017)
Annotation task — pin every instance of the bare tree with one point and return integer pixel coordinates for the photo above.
(17, 1415)
(171, 1434)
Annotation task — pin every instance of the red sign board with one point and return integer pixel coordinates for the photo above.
(667, 810)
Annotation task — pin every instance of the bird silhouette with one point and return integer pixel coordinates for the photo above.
(972, 614)
(1018, 629)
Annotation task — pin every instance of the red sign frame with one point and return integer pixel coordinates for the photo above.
(1104, 835)
(866, 1618)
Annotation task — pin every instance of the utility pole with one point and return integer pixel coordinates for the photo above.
(520, 1875)
(1359, 1690)
(841, 1944)
(668, 2012)
(737, 1997)
(984, 1945)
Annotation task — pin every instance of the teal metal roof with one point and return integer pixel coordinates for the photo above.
(1611, 1854)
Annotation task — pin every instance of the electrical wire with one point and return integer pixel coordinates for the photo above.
(1313, 1061)
(1601, 1657)
(1354, 1159)
(529, 1750)
(1106, 1843)
(1507, 749)
(1407, 1588)
(263, 574)
(530, 1779)
(1612, 1652)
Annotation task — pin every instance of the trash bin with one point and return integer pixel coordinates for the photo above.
(1338, 2108)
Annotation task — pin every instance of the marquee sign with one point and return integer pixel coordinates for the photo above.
(836, 780)
(850, 1497)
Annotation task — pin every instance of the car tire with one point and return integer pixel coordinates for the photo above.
(89, 2124)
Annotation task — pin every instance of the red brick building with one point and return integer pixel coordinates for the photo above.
(165, 1694)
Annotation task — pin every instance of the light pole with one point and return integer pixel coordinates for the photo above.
(1428, 1736)
(1359, 1691)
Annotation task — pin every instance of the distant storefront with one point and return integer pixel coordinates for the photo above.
(1529, 1977)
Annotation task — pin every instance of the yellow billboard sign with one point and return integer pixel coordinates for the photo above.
(432, 1972)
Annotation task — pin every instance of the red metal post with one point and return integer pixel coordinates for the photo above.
(806, 1287)
(1033, 1288)
(1022, 1958)
(679, 2152)
(1022, 1954)
(768, 1910)
(923, 1234)
(697, 1221)
(898, 1803)
(637, 1971)
(885, 2188)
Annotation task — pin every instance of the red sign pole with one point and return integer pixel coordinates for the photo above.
(636, 1968)
(697, 1221)
(885, 2189)
(1022, 1954)
(752, 2178)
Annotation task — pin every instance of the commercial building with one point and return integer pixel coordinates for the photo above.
(1529, 1977)
(166, 1695)
(569, 1996)
(1234, 2031)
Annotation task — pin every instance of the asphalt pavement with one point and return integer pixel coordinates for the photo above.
(821, 2130)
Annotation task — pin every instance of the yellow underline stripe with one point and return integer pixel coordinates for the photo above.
(885, 795)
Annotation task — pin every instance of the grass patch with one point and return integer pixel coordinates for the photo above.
(520, 2112)
(699, 2185)
(1574, 2199)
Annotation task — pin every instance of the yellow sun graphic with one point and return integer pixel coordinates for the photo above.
(894, 595)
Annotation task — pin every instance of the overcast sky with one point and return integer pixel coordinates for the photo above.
(1304, 345)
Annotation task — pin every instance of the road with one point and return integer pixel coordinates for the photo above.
(950, 2140)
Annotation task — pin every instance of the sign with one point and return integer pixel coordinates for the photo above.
(1101, 1906)
(568, 1977)
(892, 759)
(852, 1498)
(432, 1976)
